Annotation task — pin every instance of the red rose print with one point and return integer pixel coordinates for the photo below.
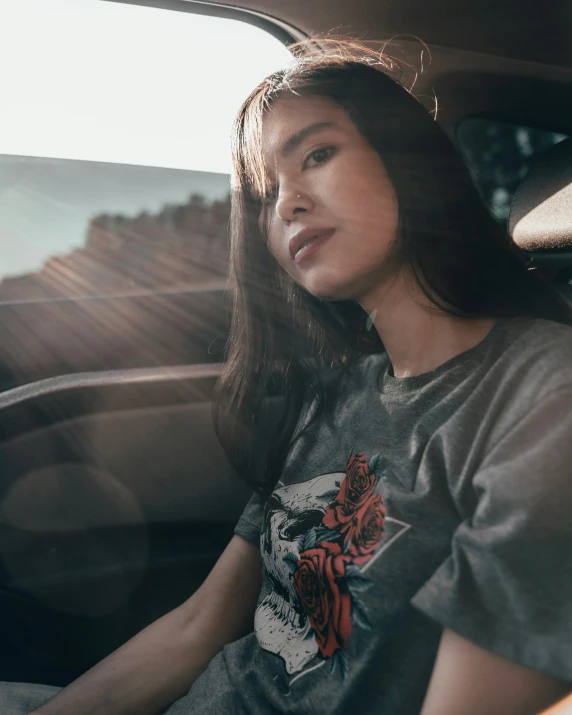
(365, 530)
(355, 490)
(318, 580)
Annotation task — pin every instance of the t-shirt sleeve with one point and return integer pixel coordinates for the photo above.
(249, 524)
(507, 585)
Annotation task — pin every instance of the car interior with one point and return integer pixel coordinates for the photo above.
(116, 497)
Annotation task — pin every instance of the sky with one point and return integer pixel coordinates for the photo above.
(113, 83)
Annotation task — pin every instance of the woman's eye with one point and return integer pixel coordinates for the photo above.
(319, 156)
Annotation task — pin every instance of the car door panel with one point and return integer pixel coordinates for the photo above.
(115, 502)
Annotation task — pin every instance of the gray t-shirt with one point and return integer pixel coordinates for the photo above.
(437, 501)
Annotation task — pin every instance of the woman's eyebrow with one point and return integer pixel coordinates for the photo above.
(294, 141)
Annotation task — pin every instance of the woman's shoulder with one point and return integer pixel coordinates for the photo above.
(541, 330)
(536, 338)
(534, 351)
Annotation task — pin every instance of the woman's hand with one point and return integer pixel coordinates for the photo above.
(468, 680)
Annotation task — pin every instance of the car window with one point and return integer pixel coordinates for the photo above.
(114, 148)
(499, 154)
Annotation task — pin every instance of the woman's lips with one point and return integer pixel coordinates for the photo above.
(309, 248)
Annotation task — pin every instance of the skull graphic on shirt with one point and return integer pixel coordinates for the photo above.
(281, 624)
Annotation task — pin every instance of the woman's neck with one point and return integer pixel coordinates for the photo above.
(418, 337)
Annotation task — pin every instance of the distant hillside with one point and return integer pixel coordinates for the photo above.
(182, 246)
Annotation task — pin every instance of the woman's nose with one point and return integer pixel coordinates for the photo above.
(291, 203)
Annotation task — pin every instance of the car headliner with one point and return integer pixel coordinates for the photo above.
(517, 29)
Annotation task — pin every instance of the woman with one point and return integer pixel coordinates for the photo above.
(397, 391)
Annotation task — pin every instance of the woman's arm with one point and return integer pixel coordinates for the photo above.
(159, 665)
(468, 680)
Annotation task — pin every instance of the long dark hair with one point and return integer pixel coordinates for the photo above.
(287, 346)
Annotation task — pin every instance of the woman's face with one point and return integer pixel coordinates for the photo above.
(328, 179)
